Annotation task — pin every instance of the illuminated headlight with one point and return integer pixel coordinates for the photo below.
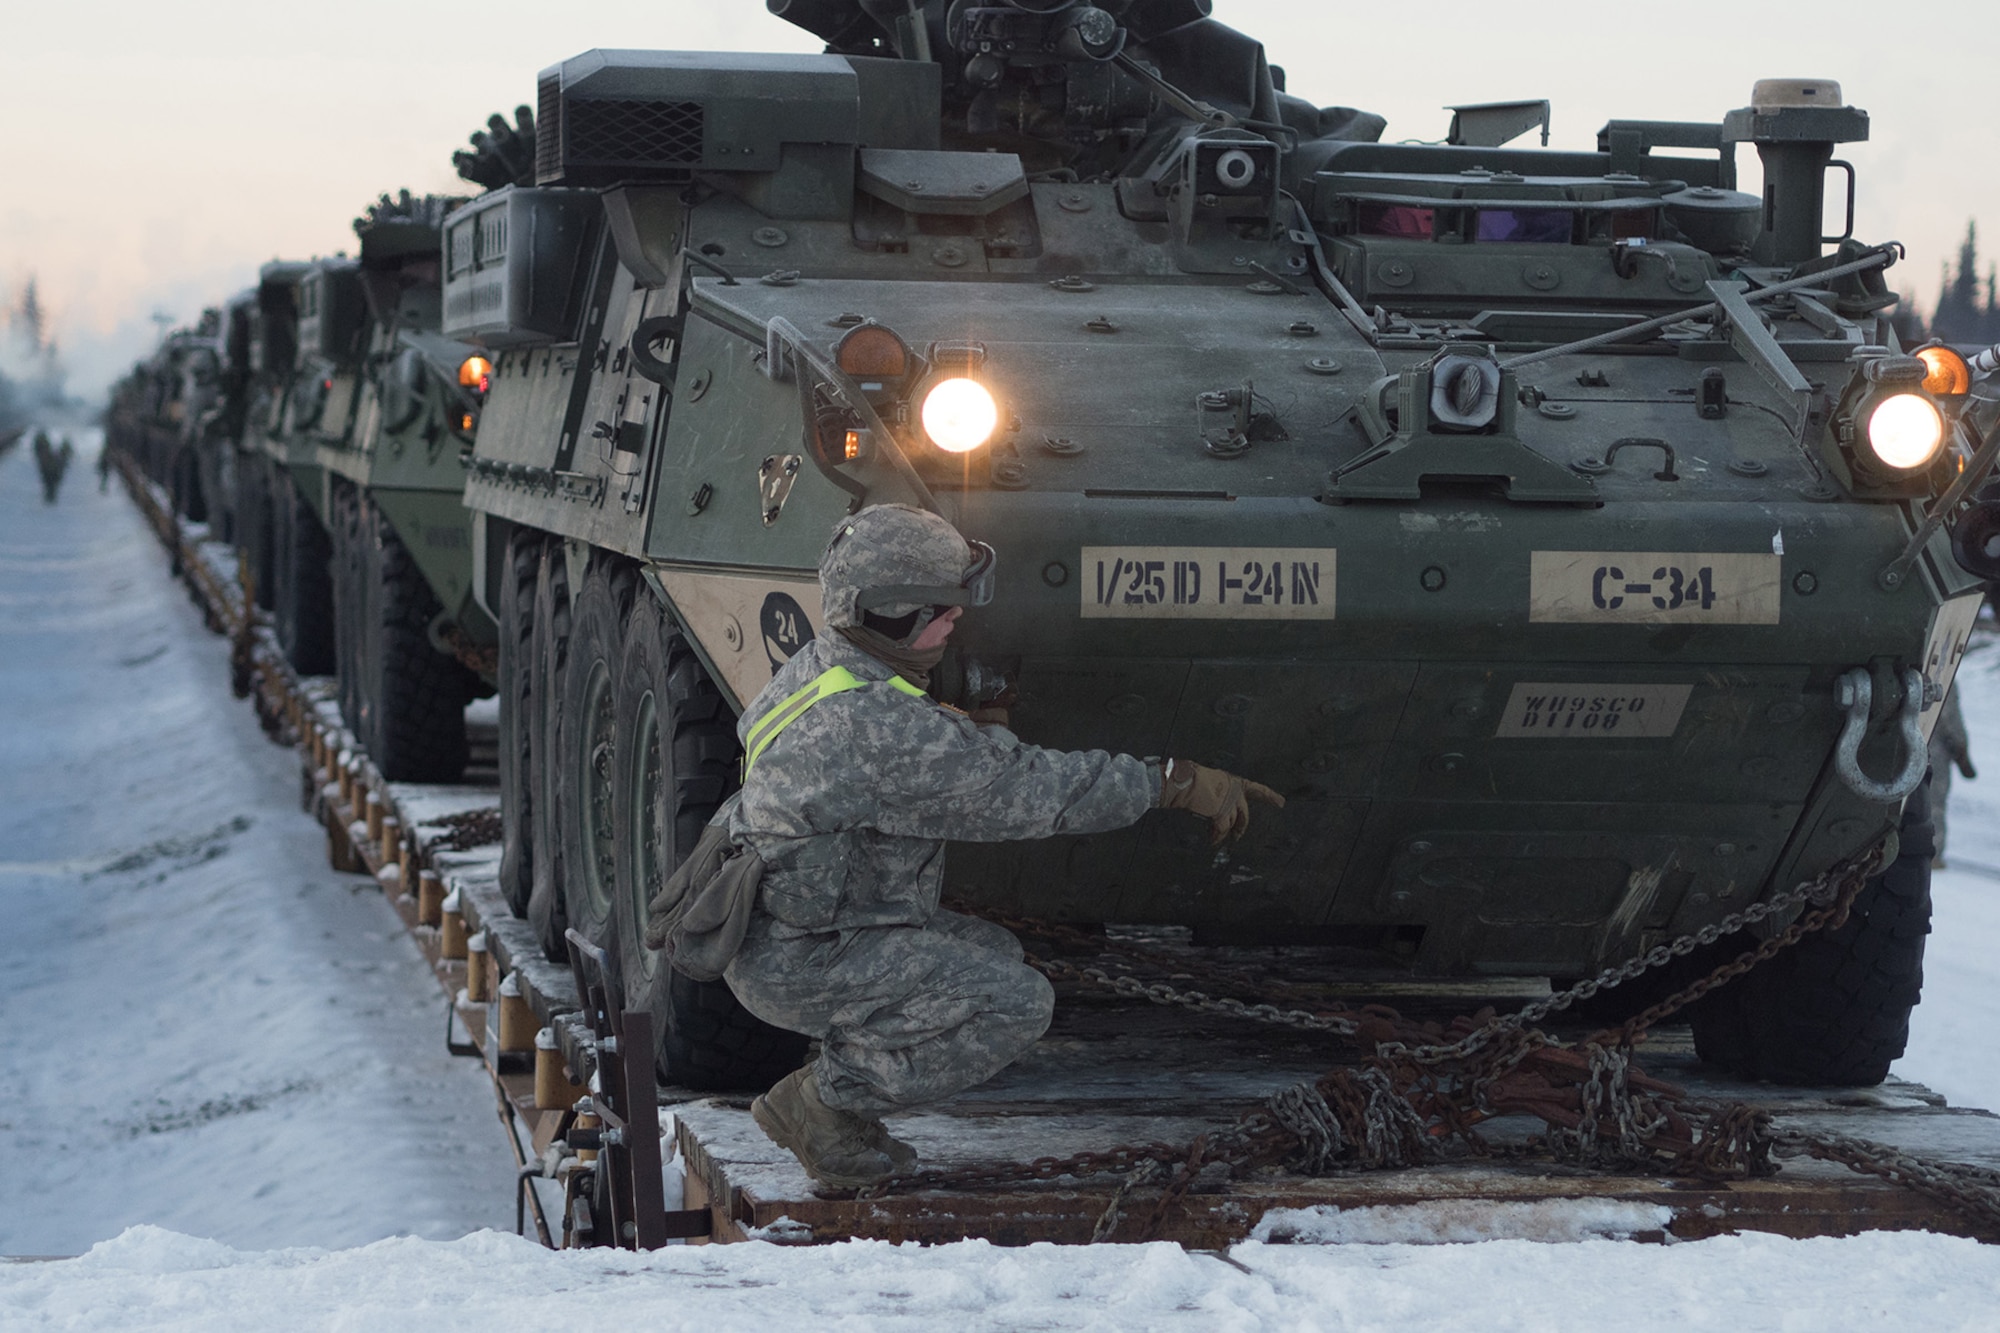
(1905, 431)
(959, 415)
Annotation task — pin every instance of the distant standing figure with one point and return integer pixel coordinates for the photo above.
(1950, 748)
(104, 469)
(52, 462)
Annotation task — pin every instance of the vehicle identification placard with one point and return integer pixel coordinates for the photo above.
(1571, 711)
(1207, 583)
(1654, 588)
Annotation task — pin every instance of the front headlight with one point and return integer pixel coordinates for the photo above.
(1906, 430)
(959, 415)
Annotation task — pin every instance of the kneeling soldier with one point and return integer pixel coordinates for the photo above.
(853, 779)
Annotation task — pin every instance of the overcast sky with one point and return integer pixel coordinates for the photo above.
(158, 153)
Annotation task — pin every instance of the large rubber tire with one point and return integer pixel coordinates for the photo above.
(349, 594)
(253, 523)
(548, 664)
(1834, 1009)
(676, 763)
(303, 584)
(190, 500)
(586, 754)
(517, 714)
(412, 697)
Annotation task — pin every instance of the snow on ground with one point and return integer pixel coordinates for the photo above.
(1955, 1033)
(156, 1280)
(218, 1050)
(206, 1028)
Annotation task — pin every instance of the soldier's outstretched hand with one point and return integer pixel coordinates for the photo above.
(1223, 799)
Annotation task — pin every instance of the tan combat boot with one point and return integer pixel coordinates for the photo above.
(837, 1148)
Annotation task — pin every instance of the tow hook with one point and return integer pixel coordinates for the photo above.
(1855, 692)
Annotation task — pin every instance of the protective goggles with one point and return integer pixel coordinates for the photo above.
(975, 589)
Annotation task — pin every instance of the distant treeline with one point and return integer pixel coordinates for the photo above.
(1966, 310)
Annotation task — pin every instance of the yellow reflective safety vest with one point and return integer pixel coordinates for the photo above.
(832, 681)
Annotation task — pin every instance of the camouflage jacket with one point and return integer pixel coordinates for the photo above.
(851, 804)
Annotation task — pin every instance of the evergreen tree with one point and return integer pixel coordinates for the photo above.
(1967, 309)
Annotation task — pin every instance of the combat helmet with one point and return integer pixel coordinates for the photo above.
(892, 561)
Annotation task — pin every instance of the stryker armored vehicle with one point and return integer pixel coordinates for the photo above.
(167, 415)
(407, 634)
(1565, 533)
(272, 519)
(362, 538)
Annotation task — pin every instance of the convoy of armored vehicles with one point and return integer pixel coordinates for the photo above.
(1567, 534)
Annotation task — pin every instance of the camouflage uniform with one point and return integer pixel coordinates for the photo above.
(850, 807)
(1950, 748)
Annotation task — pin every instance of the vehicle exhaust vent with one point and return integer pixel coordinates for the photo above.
(614, 134)
(548, 127)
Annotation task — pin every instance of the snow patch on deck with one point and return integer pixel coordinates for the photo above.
(1463, 1221)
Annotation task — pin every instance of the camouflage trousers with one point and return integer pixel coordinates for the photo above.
(905, 1015)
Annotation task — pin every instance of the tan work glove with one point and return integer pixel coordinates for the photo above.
(1223, 799)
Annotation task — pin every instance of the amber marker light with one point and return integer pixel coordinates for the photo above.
(1945, 371)
(475, 372)
(872, 352)
(959, 415)
(1905, 431)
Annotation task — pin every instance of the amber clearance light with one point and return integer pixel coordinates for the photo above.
(872, 352)
(1945, 371)
(475, 372)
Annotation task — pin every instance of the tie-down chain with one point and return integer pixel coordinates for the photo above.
(1423, 1087)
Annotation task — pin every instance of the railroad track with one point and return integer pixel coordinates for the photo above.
(1113, 1071)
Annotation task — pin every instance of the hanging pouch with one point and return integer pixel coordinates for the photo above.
(700, 914)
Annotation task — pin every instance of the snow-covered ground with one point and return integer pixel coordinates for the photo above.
(204, 1027)
(1955, 1033)
(219, 1055)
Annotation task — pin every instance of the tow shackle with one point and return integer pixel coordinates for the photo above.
(1855, 692)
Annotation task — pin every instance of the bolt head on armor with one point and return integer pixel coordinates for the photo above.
(889, 546)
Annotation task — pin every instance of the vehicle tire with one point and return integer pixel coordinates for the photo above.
(676, 764)
(412, 697)
(517, 713)
(1834, 1009)
(349, 653)
(189, 500)
(303, 582)
(586, 751)
(548, 664)
(253, 523)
